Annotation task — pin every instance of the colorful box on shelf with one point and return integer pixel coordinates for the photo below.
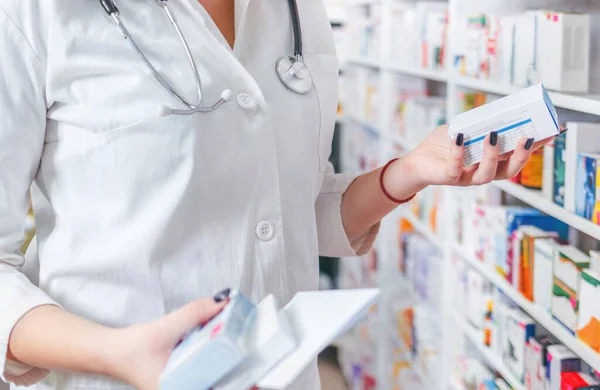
(475, 59)
(560, 360)
(587, 192)
(523, 254)
(578, 381)
(536, 360)
(588, 328)
(519, 329)
(543, 273)
(529, 113)
(568, 264)
(582, 138)
(559, 167)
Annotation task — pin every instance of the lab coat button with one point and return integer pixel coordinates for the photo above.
(247, 102)
(265, 231)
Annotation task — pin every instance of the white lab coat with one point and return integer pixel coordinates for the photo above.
(138, 213)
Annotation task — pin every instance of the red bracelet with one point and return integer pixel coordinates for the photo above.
(387, 195)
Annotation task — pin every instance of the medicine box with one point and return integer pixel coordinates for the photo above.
(218, 347)
(542, 275)
(476, 287)
(526, 71)
(586, 186)
(536, 360)
(588, 329)
(548, 171)
(272, 339)
(523, 263)
(568, 264)
(560, 359)
(581, 138)
(595, 261)
(563, 50)
(519, 329)
(558, 181)
(476, 46)
(507, 42)
(437, 24)
(493, 55)
(526, 114)
(578, 381)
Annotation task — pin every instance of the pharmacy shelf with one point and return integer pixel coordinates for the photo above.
(540, 316)
(492, 359)
(423, 229)
(364, 61)
(537, 200)
(429, 74)
(589, 104)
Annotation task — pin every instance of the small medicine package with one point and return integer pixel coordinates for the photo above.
(525, 114)
(209, 353)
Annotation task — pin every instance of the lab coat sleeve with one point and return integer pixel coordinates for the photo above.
(333, 241)
(22, 129)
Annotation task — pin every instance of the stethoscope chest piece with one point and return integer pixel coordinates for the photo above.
(294, 74)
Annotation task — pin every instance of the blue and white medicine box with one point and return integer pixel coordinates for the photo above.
(209, 353)
(526, 114)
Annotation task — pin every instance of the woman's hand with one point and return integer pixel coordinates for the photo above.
(141, 351)
(439, 161)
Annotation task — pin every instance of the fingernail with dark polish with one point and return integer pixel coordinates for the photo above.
(563, 131)
(494, 138)
(459, 139)
(222, 295)
(529, 144)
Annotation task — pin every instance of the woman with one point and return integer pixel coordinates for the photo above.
(141, 212)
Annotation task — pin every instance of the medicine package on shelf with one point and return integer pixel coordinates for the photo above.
(526, 114)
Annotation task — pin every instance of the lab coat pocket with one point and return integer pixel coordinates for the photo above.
(324, 69)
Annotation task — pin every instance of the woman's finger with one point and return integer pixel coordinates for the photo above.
(489, 164)
(192, 316)
(514, 165)
(454, 166)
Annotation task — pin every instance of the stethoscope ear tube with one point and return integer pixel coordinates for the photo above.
(297, 29)
(109, 7)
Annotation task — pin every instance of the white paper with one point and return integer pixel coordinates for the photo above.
(318, 318)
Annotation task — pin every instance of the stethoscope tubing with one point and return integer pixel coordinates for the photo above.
(112, 10)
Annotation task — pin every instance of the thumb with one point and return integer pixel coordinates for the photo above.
(454, 166)
(191, 316)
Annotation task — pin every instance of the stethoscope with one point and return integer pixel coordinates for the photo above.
(291, 70)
